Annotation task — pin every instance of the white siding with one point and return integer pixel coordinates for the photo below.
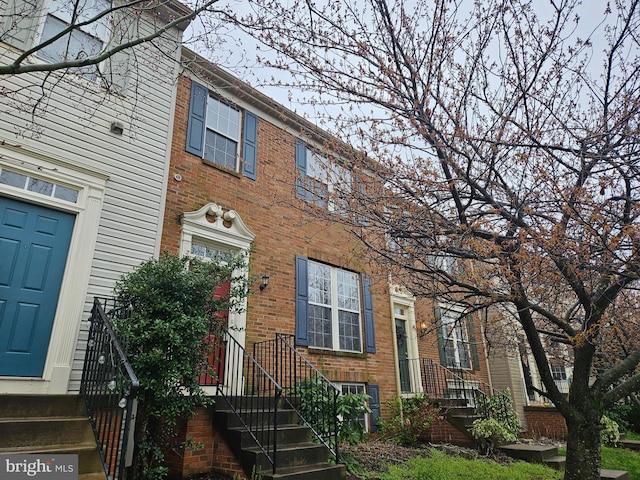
(73, 126)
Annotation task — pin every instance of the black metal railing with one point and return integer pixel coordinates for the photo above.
(456, 387)
(305, 388)
(251, 393)
(108, 387)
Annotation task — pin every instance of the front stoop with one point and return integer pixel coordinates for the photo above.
(50, 425)
(297, 457)
(548, 455)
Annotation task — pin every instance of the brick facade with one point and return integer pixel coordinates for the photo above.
(268, 207)
(545, 422)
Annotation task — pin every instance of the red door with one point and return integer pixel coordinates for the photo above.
(217, 346)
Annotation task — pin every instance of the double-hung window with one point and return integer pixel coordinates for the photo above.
(334, 308)
(320, 181)
(455, 339)
(214, 132)
(222, 134)
(84, 41)
(333, 304)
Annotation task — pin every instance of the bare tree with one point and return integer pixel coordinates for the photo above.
(506, 142)
(112, 45)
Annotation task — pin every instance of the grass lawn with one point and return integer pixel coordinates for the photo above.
(438, 466)
(619, 459)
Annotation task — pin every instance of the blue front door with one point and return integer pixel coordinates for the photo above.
(34, 242)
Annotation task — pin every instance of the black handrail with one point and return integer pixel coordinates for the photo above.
(454, 386)
(108, 387)
(251, 393)
(305, 388)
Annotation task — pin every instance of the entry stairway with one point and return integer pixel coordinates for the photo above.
(298, 457)
(50, 425)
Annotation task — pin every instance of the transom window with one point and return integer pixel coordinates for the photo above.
(223, 134)
(83, 41)
(457, 348)
(36, 185)
(334, 308)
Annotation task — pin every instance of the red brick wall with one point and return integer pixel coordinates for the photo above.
(545, 422)
(213, 455)
(441, 431)
(282, 232)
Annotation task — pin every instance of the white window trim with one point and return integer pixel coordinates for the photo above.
(401, 297)
(444, 309)
(335, 320)
(237, 139)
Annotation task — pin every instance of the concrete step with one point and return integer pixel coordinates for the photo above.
(630, 444)
(50, 425)
(614, 475)
(558, 462)
(45, 431)
(529, 452)
(288, 456)
(287, 434)
(89, 460)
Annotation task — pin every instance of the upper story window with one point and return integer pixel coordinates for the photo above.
(331, 305)
(213, 132)
(320, 181)
(443, 261)
(456, 340)
(223, 134)
(83, 41)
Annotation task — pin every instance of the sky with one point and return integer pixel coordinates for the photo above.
(238, 54)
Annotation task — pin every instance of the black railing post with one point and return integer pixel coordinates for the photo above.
(108, 386)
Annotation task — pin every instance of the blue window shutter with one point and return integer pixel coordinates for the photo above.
(197, 119)
(301, 168)
(370, 335)
(374, 406)
(441, 349)
(302, 299)
(250, 145)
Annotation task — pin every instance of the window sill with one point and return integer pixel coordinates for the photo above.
(209, 163)
(335, 353)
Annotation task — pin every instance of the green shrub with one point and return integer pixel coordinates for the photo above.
(410, 417)
(610, 434)
(490, 433)
(501, 423)
(316, 407)
(626, 414)
(173, 311)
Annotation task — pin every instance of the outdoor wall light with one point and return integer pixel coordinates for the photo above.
(422, 330)
(265, 282)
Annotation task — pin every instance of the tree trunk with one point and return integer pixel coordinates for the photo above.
(583, 448)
